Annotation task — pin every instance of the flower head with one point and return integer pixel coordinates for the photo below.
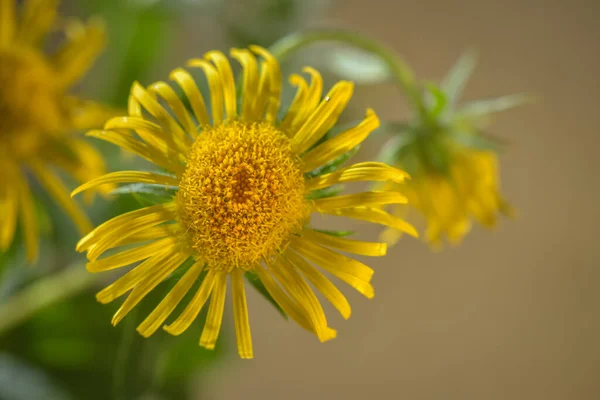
(451, 159)
(38, 115)
(244, 183)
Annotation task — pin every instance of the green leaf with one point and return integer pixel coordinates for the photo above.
(390, 149)
(479, 140)
(456, 79)
(335, 233)
(148, 194)
(480, 108)
(258, 285)
(435, 100)
(325, 192)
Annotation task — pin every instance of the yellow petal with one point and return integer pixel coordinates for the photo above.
(189, 87)
(290, 121)
(176, 105)
(165, 119)
(341, 143)
(353, 272)
(323, 118)
(127, 177)
(75, 58)
(376, 216)
(365, 171)
(321, 283)
(271, 78)
(240, 314)
(214, 85)
(170, 301)
(9, 199)
(374, 198)
(130, 256)
(60, 193)
(212, 326)
(133, 277)
(373, 249)
(8, 21)
(250, 88)
(37, 19)
(150, 281)
(304, 297)
(224, 70)
(287, 305)
(192, 310)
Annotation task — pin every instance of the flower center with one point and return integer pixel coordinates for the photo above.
(242, 194)
(29, 100)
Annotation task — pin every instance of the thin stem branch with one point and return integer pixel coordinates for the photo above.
(44, 293)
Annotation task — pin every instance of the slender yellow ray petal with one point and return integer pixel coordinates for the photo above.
(170, 301)
(8, 217)
(304, 297)
(192, 310)
(27, 214)
(74, 59)
(224, 70)
(123, 220)
(128, 281)
(152, 280)
(240, 315)
(87, 114)
(212, 326)
(323, 256)
(321, 283)
(156, 232)
(151, 133)
(366, 171)
(373, 249)
(8, 21)
(290, 121)
(130, 256)
(141, 149)
(162, 116)
(358, 199)
(37, 19)
(214, 85)
(287, 304)
(189, 87)
(172, 99)
(341, 143)
(274, 82)
(315, 90)
(127, 177)
(60, 193)
(250, 68)
(323, 118)
(353, 272)
(376, 216)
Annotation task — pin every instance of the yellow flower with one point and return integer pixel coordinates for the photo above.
(245, 185)
(37, 115)
(470, 189)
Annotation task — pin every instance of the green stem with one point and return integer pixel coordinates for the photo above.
(120, 370)
(44, 293)
(402, 73)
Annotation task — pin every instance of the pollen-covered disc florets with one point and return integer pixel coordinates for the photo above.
(242, 194)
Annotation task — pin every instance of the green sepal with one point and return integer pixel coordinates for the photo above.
(148, 194)
(335, 233)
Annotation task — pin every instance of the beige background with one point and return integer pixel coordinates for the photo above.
(511, 314)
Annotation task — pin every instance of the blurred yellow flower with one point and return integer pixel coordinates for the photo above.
(244, 185)
(37, 114)
(450, 201)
